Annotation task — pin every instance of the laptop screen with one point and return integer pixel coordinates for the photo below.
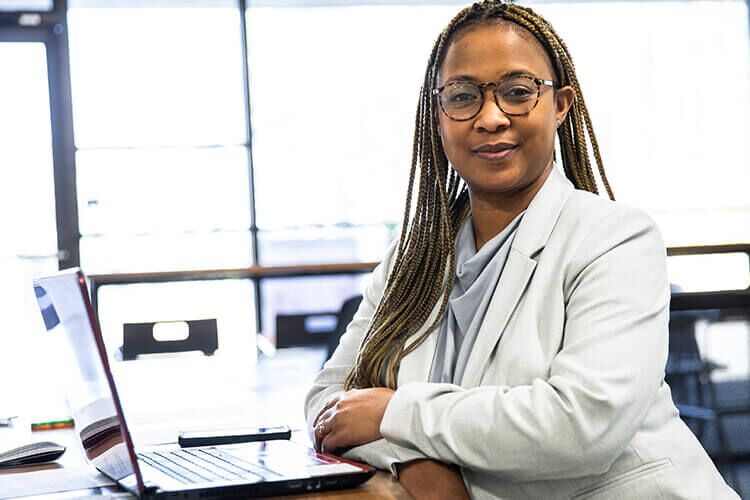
(67, 312)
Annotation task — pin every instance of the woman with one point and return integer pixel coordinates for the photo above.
(512, 343)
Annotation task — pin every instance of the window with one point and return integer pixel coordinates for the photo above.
(28, 246)
(317, 294)
(163, 161)
(226, 301)
(161, 136)
(26, 5)
(356, 86)
(164, 173)
(668, 88)
(333, 114)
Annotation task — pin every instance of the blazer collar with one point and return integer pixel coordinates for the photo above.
(542, 214)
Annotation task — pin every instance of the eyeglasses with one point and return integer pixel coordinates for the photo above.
(515, 96)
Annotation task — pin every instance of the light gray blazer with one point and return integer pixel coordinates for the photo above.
(563, 395)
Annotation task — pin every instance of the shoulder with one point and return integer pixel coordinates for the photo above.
(592, 229)
(587, 216)
(590, 209)
(608, 249)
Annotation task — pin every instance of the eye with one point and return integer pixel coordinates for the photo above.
(518, 92)
(461, 97)
(461, 94)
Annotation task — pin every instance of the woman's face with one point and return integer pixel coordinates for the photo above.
(497, 155)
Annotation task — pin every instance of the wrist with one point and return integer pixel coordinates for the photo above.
(432, 479)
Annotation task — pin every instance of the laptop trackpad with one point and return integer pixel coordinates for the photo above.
(288, 459)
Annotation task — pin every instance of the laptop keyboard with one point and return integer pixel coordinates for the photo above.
(199, 465)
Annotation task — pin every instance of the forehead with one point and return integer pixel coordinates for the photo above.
(488, 51)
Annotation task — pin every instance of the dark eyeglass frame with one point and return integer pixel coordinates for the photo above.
(482, 86)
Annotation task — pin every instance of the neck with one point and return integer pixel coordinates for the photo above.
(492, 212)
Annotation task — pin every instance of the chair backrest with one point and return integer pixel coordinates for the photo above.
(140, 338)
(305, 329)
(686, 370)
(345, 316)
(682, 339)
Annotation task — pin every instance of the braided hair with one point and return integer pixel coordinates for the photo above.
(424, 263)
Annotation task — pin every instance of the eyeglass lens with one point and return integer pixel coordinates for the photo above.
(515, 96)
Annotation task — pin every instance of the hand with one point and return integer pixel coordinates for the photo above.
(351, 419)
(432, 480)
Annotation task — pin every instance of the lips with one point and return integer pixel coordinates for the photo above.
(496, 151)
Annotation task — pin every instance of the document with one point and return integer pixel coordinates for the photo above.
(20, 484)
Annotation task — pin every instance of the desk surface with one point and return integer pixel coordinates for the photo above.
(207, 391)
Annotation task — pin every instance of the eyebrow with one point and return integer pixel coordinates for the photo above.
(509, 74)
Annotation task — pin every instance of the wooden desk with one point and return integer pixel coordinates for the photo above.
(272, 391)
(381, 486)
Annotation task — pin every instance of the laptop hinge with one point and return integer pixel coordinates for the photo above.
(149, 489)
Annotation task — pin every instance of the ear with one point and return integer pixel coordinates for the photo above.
(564, 98)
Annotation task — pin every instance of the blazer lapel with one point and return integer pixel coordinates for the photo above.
(531, 237)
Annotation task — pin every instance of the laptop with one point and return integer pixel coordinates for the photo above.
(245, 469)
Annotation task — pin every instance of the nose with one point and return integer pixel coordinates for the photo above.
(491, 118)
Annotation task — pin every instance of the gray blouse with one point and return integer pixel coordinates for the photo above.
(477, 274)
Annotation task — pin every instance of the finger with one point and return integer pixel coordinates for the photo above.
(319, 434)
(318, 440)
(329, 443)
(324, 427)
(330, 404)
(336, 437)
(327, 417)
(325, 408)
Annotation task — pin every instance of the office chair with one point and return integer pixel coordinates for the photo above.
(304, 329)
(344, 317)
(139, 339)
(688, 374)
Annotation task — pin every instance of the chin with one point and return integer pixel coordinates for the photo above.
(499, 184)
(507, 185)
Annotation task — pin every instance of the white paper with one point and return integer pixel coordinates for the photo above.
(14, 485)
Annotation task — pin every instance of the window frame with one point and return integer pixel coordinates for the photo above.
(52, 31)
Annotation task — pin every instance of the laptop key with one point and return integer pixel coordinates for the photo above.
(206, 465)
(210, 455)
(197, 469)
(257, 469)
(182, 475)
